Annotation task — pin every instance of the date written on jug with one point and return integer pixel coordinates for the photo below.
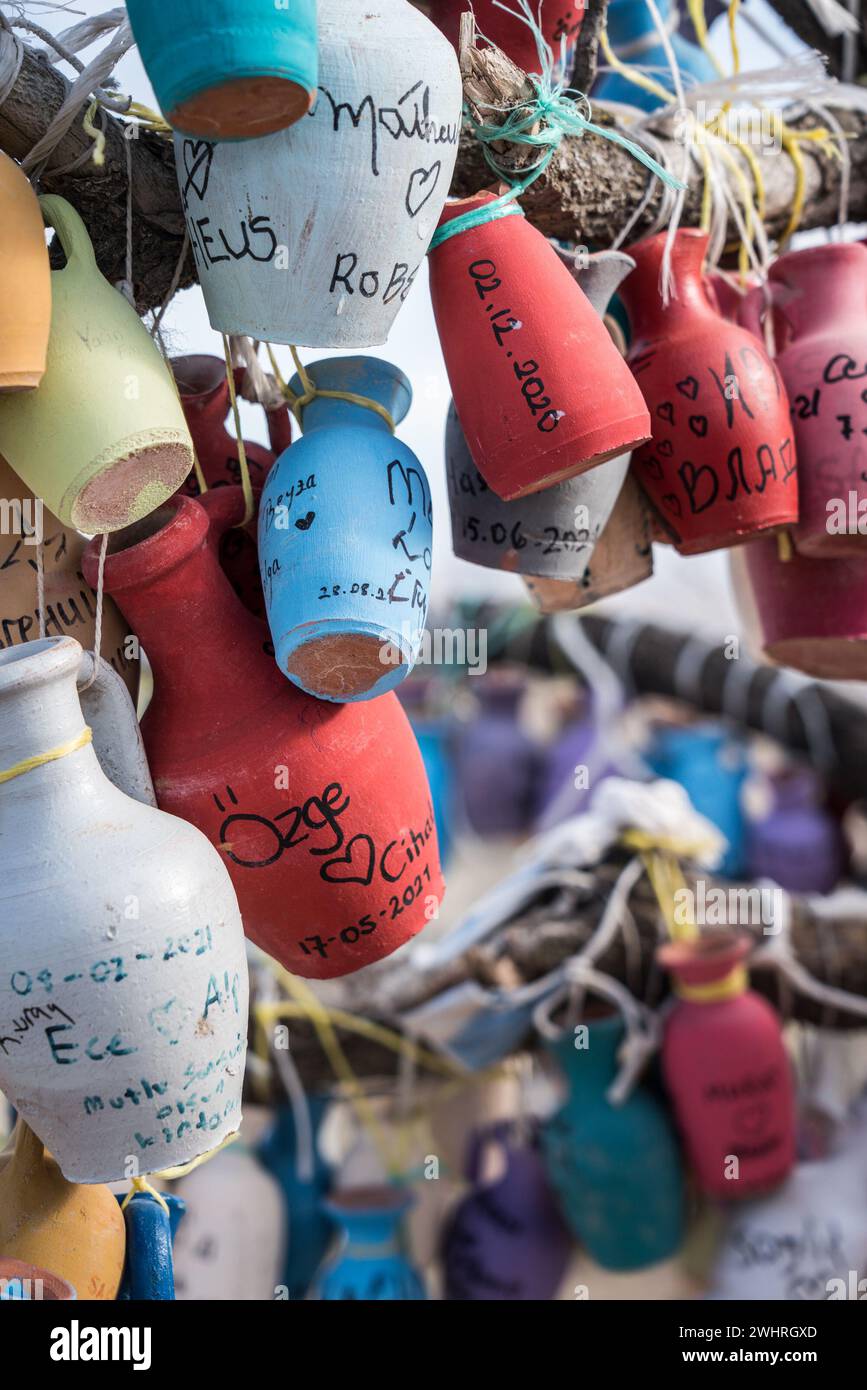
(367, 925)
(399, 591)
(485, 279)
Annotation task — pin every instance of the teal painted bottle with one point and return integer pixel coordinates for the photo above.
(615, 1168)
(225, 70)
(304, 1186)
(371, 1267)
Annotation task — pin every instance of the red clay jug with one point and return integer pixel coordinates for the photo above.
(540, 388)
(813, 613)
(322, 811)
(819, 299)
(560, 19)
(204, 393)
(726, 1069)
(721, 465)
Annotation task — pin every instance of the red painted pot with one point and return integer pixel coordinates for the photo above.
(819, 299)
(204, 393)
(721, 466)
(561, 19)
(322, 811)
(540, 389)
(813, 613)
(727, 1071)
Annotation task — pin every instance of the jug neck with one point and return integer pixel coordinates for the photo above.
(369, 380)
(371, 1224)
(641, 292)
(203, 389)
(589, 1059)
(820, 289)
(40, 712)
(710, 969)
(196, 632)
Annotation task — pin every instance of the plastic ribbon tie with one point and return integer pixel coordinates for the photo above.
(40, 759)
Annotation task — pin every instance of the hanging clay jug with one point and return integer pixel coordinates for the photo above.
(151, 1226)
(371, 1266)
(721, 465)
(20, 1282)
(813, 613)
(797, 844)
(103, 441)
(615, 1168)
(561, 788)
(123, 987)
(314, 236)
(70, 603)
(204, 393)
(541, 391)
(76, 1231)
(25, 283)
(230, 1246)
(726, 1070)
(229, 71)
(711, 767)
(819, 299)
(636, 41)
(330, 873)
(506, 1241)
(345, 536)
(497, 762)
(305, 1179)
(560, 21)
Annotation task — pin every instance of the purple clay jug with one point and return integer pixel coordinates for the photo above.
(798, 844)
(506, 1241)
(496, 761)
(564, 779)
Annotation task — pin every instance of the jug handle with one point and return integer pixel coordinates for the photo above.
(225, 509)
(72, 234)
(751, 312)
(279, 429)
(117, 741)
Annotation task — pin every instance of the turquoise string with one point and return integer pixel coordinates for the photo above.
(559, 115)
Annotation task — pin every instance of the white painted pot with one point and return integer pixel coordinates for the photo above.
(123, 978)
(314, 235)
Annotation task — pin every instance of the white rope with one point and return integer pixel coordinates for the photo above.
(97, 630)
(777, 954)
(40, 586)
(11, 58)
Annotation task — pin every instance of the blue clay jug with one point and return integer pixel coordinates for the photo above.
(615, 1168)
(345, 536)
(311, 1229)
(225, 70)
(371, 1267)
(432, 730)
(711, 767)
(635, 39)
(149, 1274)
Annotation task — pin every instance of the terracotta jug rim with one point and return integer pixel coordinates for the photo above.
(156, 545)
(814, 255)
(199, 375)
(33, 663)
(729, 946)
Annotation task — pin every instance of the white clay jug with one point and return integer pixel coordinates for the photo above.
(123, 978)
(314, 235)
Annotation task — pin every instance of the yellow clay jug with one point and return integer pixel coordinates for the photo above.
(25, 282)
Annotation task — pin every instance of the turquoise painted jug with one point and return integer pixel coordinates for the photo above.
(615, 1168)
(305, 1180)
(148, 1273)
(371, 1266)
(225, 70)
(345, 536)
(635, 40)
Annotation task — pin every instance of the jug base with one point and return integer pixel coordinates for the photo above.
(341, 666)
(583, 455)
(129, 488)
(244, 108)
(725, 540)
(828, 658)
(10, 382)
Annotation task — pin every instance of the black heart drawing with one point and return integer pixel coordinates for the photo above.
(198, 158)
(305, 522)
(698, 425)
(666, 412)
(343, 865)
(654, 467)
(693, 478)
(666, 448)
(688, 387)
(422, 183)
(673, 503)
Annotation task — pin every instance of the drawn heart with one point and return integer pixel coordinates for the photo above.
(698, 425)
(692, 477)
(198, 158)
(343, 866)
(673, 503)
(305, 522)
(654, 467)
(666, 448)
(688, 387)
(666, 412)
(422, 183)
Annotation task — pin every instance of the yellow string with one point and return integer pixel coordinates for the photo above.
(630, 73)
(181, 1171)
(148, 118)
(727, 988)
(40, 759)
(312, 391)
(699, 24)
(96, 135)
(246, 484)
(268, 1012)
(660, 855)
(142, 1185)
(733, 8)
(785, 549)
